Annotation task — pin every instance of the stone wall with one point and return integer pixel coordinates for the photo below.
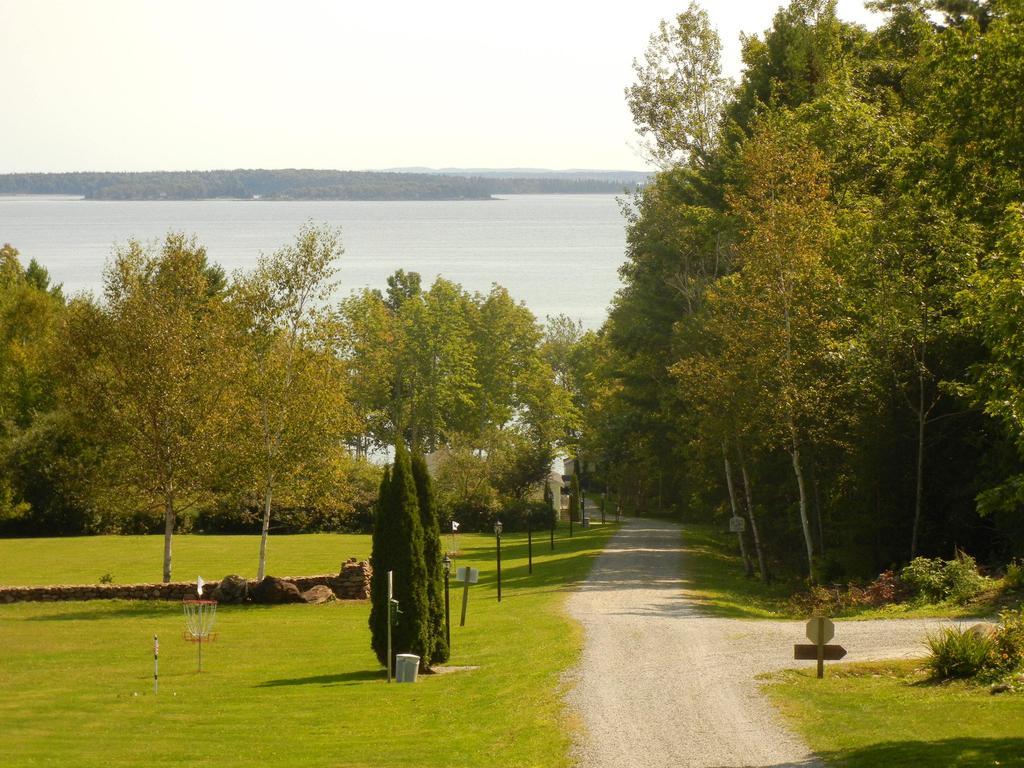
(351, 583)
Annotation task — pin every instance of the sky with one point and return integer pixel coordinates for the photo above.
(202, 84)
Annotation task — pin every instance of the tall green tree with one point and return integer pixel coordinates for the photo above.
(31, 311)
(433, 557)
(679, 91)
(398, 543)
(783, 297)
(294, 392)
(152, 373)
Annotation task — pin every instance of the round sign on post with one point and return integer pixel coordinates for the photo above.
(820, 630)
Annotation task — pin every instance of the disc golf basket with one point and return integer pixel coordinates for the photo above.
(200, 616)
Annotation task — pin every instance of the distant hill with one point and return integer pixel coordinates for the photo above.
(302, 184)
(579, 174)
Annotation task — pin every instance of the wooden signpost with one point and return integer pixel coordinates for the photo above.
(819, 631)
(467, 576)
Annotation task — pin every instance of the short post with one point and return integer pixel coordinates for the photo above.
(391, 592)
(554, 522)
(156, 663)
(819, 631)
(529, 543)
(602, 509)
(467, 576)
(497, 536)
(465, 602)
(447, 606)
(821, 647)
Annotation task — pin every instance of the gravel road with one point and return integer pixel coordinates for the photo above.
(660, 684)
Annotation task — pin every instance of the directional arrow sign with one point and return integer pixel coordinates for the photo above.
(820, 630)
(808, 652)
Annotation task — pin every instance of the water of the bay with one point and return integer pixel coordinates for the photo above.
(557, 253)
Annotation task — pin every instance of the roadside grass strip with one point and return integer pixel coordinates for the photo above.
(888, 714)
(715, 581)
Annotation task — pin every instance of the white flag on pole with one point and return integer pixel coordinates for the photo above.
(455, 526)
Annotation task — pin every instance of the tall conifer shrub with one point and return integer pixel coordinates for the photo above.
(398, 547)
(433, 554)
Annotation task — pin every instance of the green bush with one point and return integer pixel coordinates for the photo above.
(935, 580)
(1014, 578)
(925, 578)
(963, 579)
(983, 653)
(960, 653)
(1009, 641)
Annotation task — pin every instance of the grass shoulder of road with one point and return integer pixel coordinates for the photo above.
(888, 714)
(297, 684)
(715, 580)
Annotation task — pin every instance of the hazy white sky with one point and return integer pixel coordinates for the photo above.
(200, 84)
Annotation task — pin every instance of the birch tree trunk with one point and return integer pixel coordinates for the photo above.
(922, 418)
(168, 533)
(748, 567)
(268, 495)
(758, 549)
(794, 453)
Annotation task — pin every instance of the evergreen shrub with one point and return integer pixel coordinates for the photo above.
(398, 547)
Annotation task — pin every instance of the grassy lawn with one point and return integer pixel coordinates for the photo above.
(289, 685)
(714, 578)
(139, 559)
(887, 714)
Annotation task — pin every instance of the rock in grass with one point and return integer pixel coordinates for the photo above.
(999, 688)
(232, 589)
(318, 594)
(273, 590)
(983, 630)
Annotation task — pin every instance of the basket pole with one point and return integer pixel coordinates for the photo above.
(391, 591)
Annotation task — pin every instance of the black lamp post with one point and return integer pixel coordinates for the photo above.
(497, 536)
(529, 542)
(447, 563)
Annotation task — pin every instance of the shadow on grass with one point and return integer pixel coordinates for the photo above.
(342, 678)
(111, 610)
(962, 753)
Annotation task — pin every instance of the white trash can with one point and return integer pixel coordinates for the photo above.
(406, 667)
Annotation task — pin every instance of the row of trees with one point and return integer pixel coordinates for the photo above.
(183, 396)
(820, 312)
(295, 184)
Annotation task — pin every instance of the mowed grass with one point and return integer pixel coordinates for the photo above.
(139, 559)
(713, 578)
(887, 714)
(296, 685)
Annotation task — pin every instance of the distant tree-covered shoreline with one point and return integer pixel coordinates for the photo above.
(293, 184)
